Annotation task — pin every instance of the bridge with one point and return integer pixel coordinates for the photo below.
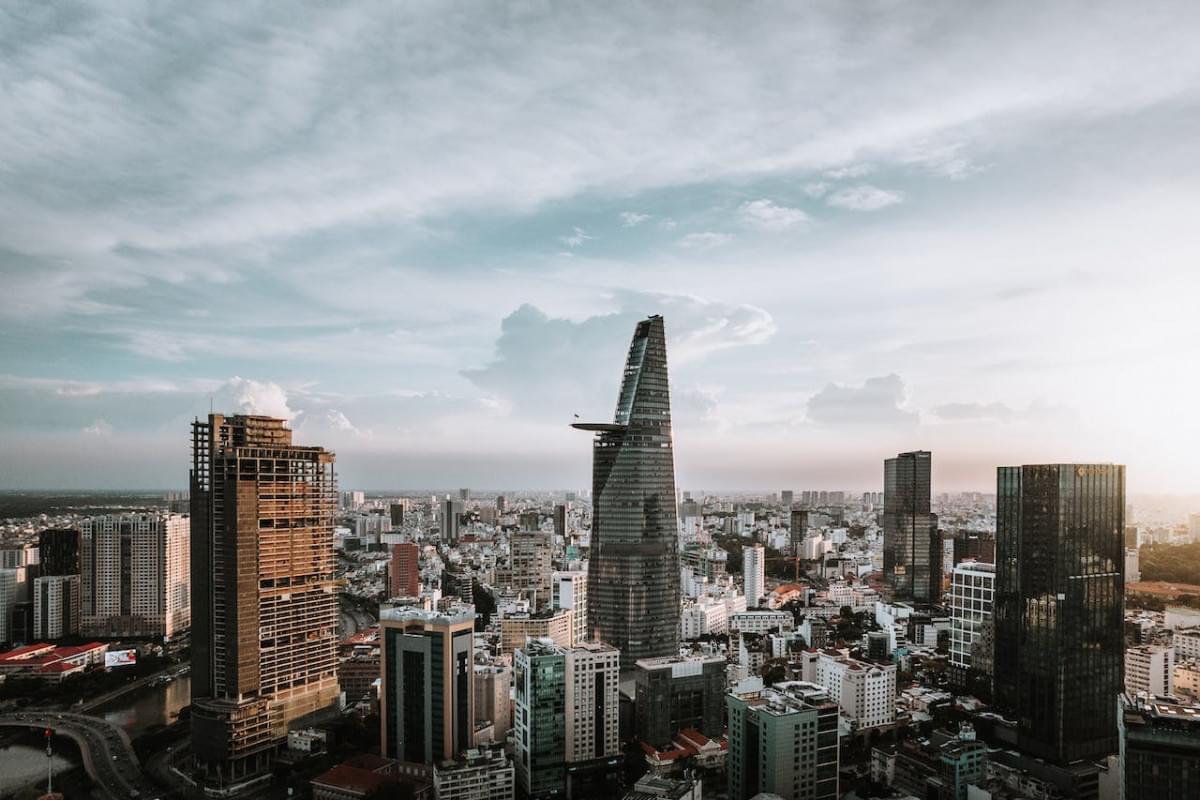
(107, 752)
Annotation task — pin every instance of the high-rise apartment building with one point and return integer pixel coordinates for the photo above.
(972, 592)
(493, 685)
(754, 574)
(633, 569)
(592, 702)
(568, 590)
(1160, 749)
(427, 700)
(799, 530)
(451, 520)
(12, 581)
(786, 497)
(1059, 606)
(58, 551)
(783, 741)
(135, 575)
(264, 603)
(530, 562)
(404, 570)
(56, 606)
(560, 521)
(912, 548)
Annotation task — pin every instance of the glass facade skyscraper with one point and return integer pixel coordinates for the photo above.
(912, 548)
(633, 569)
(1059, 606)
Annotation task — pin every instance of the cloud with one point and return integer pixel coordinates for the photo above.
(944, 160)
(864, 197)
(849, 171)
(766, 216)
(99, 427)
(817, 188)
(338, 421)
(255, 397)
(705, 241)
(631, 219)
(879, 401)
(974, 411)
(576, 238)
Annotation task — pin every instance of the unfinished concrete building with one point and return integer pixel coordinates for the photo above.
(264, 644)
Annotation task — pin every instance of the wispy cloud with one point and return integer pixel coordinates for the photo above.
(99, 427)
(706, 240)
(766, 216)
(631, 219)
(864, 197)
(850, 171)
(576, 238)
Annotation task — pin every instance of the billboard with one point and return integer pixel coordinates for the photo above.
(120, 658)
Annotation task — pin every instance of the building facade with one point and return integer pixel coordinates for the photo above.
(1160, 750)
(477, 775)
(972, 593)
(427, 697)
(58, 551)
(754, 574)
(674, 693)
(568, 591)
(633, 569)
(135, 575)
(539, 719)
(912, 547)
(264, 603)
(1149, 669)
(1059, 606)
(56, 606)
(864, 691)
(783, 741)
(404, 570)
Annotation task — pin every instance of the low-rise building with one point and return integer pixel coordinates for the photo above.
(45, 662)
(477, 775)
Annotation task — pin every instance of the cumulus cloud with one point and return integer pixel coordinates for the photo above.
(551, 366)
(817, 188)
(864, 197)
(631, 219)
(766, 216)
(706, 240)
(576, 238)
(879, 401)
(256, 397)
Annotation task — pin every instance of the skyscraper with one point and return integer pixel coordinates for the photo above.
(264, 644)
(633, 570)
(58, 551)
(539, 719)
(451, 519)
(972, 588)
(427, 701)
(912, 549)
(1059, 606)
(56, 605)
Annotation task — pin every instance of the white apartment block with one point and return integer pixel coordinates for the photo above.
(972, 591)
(702, 616)
(1186, 679)
(56, 606)
(12, 581)
(865, 691)
(477, 775)
(1148, 669)
(592, 674)
(754, 562)
(136, 575)
(568, 589)
(1186, 642)
(761, 621)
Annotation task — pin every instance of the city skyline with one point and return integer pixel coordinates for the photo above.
(947, 230)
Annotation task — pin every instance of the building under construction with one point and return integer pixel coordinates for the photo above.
(264, 643)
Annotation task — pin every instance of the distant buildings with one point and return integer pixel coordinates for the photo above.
(264, 639)
(633, 571)
(135, 576)
(1160, 749)
(516, 629)
(783, 741)
(1059, 635)
(427, 698)
(754, 576)
(531, 560)
(912, 548)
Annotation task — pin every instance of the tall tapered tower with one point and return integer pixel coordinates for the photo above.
(633, 568)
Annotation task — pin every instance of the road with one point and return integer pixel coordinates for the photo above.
(107, 753)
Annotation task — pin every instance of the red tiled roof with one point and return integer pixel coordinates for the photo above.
(353, 779)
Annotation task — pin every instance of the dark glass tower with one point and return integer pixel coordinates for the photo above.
(912, 549)
(1059, 606)
(633, 568)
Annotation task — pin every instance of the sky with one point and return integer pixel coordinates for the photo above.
(423, 232)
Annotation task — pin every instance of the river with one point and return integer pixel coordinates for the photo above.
(142, 709)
